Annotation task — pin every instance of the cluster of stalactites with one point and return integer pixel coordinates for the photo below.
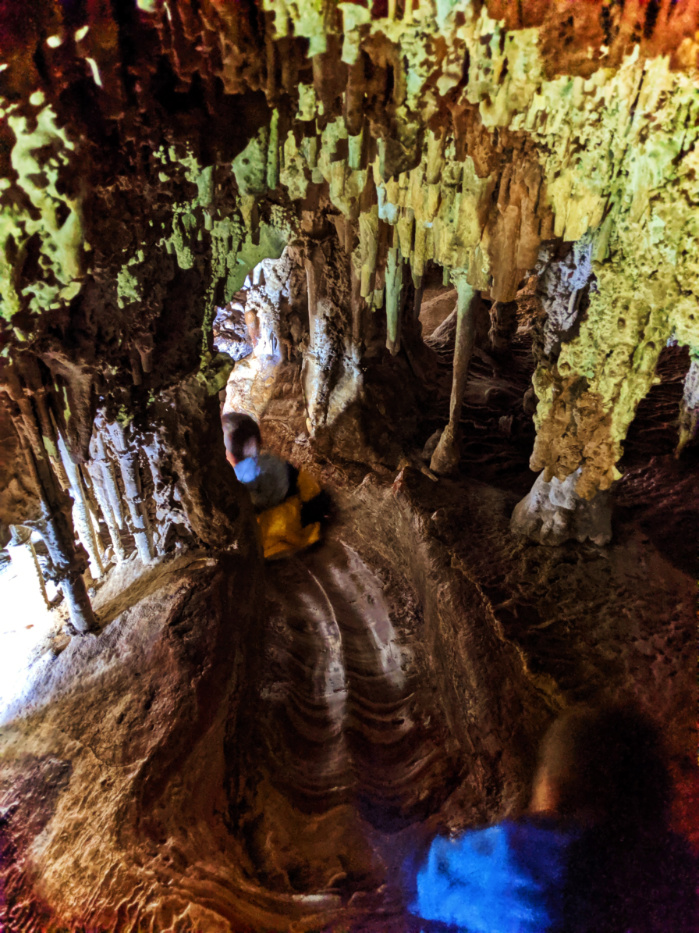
(438, 133)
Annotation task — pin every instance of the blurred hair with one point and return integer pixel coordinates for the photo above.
(609, 761)
(241, 434)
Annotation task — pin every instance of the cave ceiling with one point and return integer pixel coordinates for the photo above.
(151, 156)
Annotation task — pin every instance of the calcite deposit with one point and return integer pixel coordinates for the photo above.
(445, 251)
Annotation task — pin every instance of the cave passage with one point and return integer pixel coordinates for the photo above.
(445, 255)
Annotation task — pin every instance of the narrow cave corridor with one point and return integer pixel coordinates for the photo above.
(443, 253)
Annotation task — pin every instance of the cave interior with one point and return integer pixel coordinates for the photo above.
(446, 253)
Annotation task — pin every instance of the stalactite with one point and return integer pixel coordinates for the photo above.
(358, 305)
(81, 511)
(132, 490)
(96, 514)
(273, 152)
(394, 287)
(354, 100)
(154, 456)
(434, 128)
(446, 456)
(32, 379)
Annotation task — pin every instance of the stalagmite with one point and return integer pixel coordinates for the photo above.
(445, 459)
(132, 490)
(553, 512)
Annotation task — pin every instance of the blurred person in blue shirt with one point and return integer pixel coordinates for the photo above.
(594, 853)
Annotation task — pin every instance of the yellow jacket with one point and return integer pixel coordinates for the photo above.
(280, 527)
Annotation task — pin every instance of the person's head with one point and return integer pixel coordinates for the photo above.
(241, 435)
(603, 765)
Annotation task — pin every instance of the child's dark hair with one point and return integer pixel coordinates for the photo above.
(239, 431)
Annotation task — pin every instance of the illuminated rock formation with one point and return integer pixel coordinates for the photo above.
(229, 129)
(318, 167)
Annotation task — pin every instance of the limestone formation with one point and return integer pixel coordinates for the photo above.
(689, 417)
(415, 158)
(553, 512)
(208, 203)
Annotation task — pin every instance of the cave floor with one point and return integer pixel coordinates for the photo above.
(238, 750)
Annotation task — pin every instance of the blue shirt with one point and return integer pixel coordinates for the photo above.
(266, 478)
(508, 878)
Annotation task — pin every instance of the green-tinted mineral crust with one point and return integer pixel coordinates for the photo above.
(36, 217)
(617, 153)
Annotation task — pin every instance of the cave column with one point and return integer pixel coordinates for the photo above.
(332, 376)
(31, 376)
(503, 325)
(574, 449)
(104, 479)
(445, 459)
(70, 564)
(55, 525)
(317, 362)
(81, 511)
(99, 486)
(132, 490)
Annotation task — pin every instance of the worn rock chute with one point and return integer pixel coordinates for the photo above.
(445, 253)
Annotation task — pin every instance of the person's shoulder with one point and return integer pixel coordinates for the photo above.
(271, 460)
(506, 840)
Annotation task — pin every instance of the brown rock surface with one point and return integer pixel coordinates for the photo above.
(19, 498)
